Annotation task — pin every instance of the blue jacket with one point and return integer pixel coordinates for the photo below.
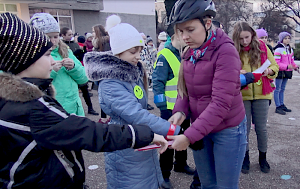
(122, 96)
(161, 74)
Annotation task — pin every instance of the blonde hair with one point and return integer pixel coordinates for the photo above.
(63, 49)
(181, 86)
(255, 51)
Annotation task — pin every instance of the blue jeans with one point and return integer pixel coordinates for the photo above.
(279, 91)
(219, 163)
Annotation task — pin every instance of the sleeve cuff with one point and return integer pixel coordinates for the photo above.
(133, 136)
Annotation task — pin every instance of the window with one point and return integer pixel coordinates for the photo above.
(64, 17)
(8, 8)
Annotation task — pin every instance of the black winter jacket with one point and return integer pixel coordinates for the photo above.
(40, 143)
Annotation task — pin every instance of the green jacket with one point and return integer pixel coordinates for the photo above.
(66, 84)
(254, 91)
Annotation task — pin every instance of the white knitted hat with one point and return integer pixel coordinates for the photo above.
(162, 36)
(87, 35)
(122, 36)
(44, 22)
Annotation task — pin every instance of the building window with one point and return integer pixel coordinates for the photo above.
(8, 8)
(64, 17)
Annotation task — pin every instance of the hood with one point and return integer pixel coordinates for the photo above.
(173, 49)
(13, 88)
(221, 38)
(280, 45)
(103, 65)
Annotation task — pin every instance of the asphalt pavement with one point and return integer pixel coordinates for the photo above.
(283, 149)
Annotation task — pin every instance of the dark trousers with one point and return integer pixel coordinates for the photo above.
(85, 94)
(166, 158)
(95, 86)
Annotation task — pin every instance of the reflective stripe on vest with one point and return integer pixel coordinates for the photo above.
(171, 85)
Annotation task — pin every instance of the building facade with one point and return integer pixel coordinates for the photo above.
(81, 15)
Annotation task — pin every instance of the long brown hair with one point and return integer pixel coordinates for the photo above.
(255, 51)
(101, 37)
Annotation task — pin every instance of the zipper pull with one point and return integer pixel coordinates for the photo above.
(66, 159)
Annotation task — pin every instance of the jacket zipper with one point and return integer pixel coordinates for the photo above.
(252, 85)
(65, 162)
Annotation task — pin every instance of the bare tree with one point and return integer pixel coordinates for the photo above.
(266, 19)
(228, 12)
(290, 9)
(231, 11)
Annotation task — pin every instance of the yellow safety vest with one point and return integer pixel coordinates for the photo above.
(171, 85)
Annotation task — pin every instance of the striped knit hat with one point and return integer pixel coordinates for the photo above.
(21, 45)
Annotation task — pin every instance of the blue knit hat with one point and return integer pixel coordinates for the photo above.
(282, 35)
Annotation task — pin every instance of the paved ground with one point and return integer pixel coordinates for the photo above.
(283, 150)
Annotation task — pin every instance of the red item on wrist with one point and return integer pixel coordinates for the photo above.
(257, 77)
(172, 129)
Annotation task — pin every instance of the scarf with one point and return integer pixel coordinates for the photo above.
(199, 52)
(266, 82)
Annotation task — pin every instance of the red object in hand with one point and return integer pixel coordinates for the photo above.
(171, 130)
(153, 146)
(257, 77)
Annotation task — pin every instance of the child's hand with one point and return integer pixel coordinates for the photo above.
(267, 72)
(290, 66)
(177, 118)
(68, 63)
(57, 66)
(160, 140)
(181, 142)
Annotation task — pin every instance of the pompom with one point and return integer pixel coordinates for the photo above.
(112, 21)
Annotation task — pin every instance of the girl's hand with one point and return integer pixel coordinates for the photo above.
(177, 118)
(181, 142)
(57, 66)
(160, 140)
(268, 71)
(243, 71)
(68, 63)
(290, 66)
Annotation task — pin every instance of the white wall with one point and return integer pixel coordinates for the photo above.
(143, 7)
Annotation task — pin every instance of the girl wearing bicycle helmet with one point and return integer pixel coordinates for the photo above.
(209, 92)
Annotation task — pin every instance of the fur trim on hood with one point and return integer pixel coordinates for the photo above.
(13, 88)
(103, 65)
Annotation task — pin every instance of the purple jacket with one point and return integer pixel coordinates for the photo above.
(214, 100)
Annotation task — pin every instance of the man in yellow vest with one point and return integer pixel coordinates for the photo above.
(165, 79)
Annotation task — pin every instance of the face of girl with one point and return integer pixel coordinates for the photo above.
(94, 34)
(131, 55)
(54, 38)
(68, 35)
(245, 38)
(150, 43)
(41, 68)
(264, 39)
(193, 32)
(90, 38)
(286, 40)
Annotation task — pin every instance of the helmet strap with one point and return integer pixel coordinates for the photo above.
(206, 34)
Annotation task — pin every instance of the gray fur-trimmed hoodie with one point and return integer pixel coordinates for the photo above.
(122, 96)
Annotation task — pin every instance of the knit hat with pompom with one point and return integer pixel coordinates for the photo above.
(123, 36)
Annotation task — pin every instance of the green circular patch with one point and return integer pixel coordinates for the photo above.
(138, 92)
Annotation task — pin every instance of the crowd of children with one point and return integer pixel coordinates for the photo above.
(206, 102)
